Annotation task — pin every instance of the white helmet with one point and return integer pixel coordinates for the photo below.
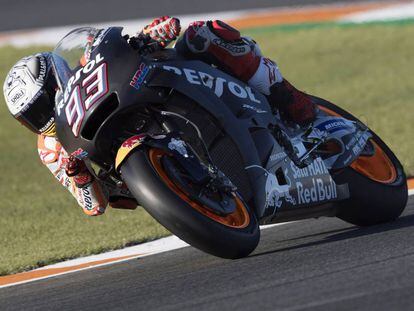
(29, 91)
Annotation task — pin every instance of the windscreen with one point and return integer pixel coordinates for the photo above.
(73, 52)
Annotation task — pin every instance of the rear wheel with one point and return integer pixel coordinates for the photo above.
(377, 183)
(177, 208)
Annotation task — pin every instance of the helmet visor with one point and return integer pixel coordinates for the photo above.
(39, 116)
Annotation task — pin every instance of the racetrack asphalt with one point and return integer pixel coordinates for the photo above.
(22, 14)
(323, 264)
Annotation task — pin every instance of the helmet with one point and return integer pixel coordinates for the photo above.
(29, 90)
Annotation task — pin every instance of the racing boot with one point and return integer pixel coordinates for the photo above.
(293, 105)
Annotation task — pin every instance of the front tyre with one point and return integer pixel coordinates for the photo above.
(377, 183)
(228, 236)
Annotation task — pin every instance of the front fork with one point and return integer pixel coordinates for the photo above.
(202, 181)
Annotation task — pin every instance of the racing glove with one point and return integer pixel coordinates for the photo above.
(77, 169)
(163, 30)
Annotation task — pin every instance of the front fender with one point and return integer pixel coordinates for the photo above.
(127, 147)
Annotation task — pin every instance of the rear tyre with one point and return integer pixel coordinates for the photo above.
(232, 236)
(377, 184)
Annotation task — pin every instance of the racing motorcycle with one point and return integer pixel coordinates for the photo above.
(203, 153)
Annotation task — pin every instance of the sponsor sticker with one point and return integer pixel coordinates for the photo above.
(313, 183)
(85, 70)
(139, 76)
(216, 84)
(133, 141)
(127, 146)
(87, 199)
(361, 142)
(276, 193)
(17, 96)
(80, 154)
(318, 191)
(48, 124)
(257, 110)
(316, 168)
(333, 126)
(42, 70)
(308, 185)
(278, 156)
(232, 48)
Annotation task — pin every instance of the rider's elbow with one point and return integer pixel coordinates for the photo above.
(93, 210)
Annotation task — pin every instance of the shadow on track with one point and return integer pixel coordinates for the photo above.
(346, 234)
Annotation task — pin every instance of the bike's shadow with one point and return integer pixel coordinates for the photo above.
(344, 234)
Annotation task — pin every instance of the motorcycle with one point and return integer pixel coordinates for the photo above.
(203, 153)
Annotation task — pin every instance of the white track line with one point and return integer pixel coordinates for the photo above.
(397, 12)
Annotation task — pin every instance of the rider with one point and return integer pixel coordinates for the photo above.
(30, 89)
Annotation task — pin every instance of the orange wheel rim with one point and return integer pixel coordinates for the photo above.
(238, 219)
(329, 111)
(377, 167)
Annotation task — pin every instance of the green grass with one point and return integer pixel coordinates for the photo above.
(366, 69)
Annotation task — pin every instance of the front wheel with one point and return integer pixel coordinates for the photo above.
(377, 183)
(233, 235)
